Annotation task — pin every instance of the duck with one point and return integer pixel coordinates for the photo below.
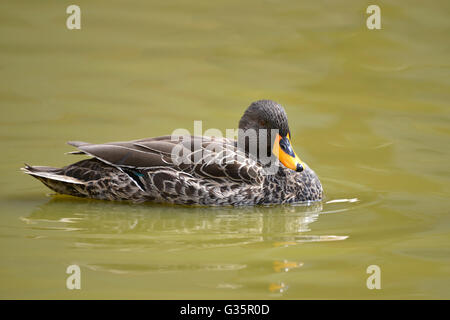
(260, 167)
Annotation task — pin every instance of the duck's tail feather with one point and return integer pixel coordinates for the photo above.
(49, 173)
(56, 180)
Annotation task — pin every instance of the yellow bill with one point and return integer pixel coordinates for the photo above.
(282, 149)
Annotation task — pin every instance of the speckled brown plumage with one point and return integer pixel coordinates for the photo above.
(144, 170)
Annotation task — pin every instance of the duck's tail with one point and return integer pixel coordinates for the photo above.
(55, 179)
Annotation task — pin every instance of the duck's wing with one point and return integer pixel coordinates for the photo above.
(211, 158)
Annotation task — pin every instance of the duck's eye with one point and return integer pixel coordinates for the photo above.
(262, 123)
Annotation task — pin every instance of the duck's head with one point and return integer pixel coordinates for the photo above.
(270, 116)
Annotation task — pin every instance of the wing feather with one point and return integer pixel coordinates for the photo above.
(217, 159)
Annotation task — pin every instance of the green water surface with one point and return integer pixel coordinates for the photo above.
(368, 111)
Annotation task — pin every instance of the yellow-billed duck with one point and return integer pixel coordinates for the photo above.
(193, 170)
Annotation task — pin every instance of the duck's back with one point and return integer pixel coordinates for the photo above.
(187, 170)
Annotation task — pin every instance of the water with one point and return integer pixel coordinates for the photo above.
(368, 111)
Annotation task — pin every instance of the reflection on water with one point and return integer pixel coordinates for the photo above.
(280, 266)
(93, 225)
(246, 225)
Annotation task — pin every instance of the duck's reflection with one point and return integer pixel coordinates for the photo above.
(99, 217)
(103, 225)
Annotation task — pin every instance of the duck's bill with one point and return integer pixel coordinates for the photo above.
(282, 149)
